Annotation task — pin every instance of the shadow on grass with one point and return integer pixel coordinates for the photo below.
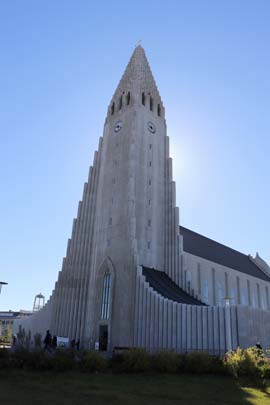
(22, 387)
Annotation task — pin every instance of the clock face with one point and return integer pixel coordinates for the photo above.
(118, 126)
(151, 127)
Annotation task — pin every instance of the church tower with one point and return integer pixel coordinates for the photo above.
(127, 217)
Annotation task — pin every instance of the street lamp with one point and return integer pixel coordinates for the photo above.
(1, 284)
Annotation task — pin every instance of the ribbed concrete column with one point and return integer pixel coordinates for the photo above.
(194, 328)
(179, 328)
(174, 326)
(184, 327)
(216, 330)
(165, 324)
(160, 321)
(199, 327)
(205, 327)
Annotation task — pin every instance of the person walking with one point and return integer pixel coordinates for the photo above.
(48, 341)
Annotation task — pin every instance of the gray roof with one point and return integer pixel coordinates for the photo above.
(162, 284)
(206, 248)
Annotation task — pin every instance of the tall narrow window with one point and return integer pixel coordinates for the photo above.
(151, 103)
(259, 296)
(150, 146)
(149, 222)
(112, 109)
(199, 279)
(148, 245)
(249, 293)
(267, 298)
(120, 102)
(206, 292)
(143, 99)
(220, 295)
(128, 98)
(158, 110)
(214, 286)
(226, 285)
(150, 163)
(238, 290)
(106, 297)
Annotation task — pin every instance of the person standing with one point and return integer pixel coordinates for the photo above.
(48, 341)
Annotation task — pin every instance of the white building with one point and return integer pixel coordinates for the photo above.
(131, 275)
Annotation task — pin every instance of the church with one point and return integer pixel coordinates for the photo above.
(132, 275)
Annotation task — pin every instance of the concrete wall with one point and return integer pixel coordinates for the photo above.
(163, 324)
(223, 282)
(39, 322)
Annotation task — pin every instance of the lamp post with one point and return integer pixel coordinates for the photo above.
(1, 284)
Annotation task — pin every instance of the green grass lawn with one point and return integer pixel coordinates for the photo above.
(29, 387)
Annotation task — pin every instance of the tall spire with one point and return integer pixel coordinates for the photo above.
(138, 77)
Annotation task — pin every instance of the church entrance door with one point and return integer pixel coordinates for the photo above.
(103, 338)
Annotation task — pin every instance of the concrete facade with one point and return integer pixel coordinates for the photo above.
(128, 220)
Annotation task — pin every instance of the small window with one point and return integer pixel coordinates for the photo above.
(128, 98)
(116, 145)
(150, 146)
(151, 103)
(149, 222)
(120, 102)
(113, 181)
(158, 110)
(149, 182)
(112, 109)
(149, 202)
(110, 221)
(150, 164)
(148, 245)
(108, 243)
(143, 99)
(112, 200)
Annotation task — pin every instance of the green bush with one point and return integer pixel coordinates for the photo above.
(201, 363)
(132, 361)
(4, 358)
(167, 362)
(63, 360)
(93, 361)
(242, 362)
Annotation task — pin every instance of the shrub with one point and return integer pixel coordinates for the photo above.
(200, 363)
(38, 341)
(93, 361)
(167, 362)
(132, 361)
(242, 362)
(63, 360)
(4, 358)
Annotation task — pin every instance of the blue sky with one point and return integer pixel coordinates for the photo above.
(60, 62)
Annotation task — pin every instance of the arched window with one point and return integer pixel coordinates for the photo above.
(106, 297)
